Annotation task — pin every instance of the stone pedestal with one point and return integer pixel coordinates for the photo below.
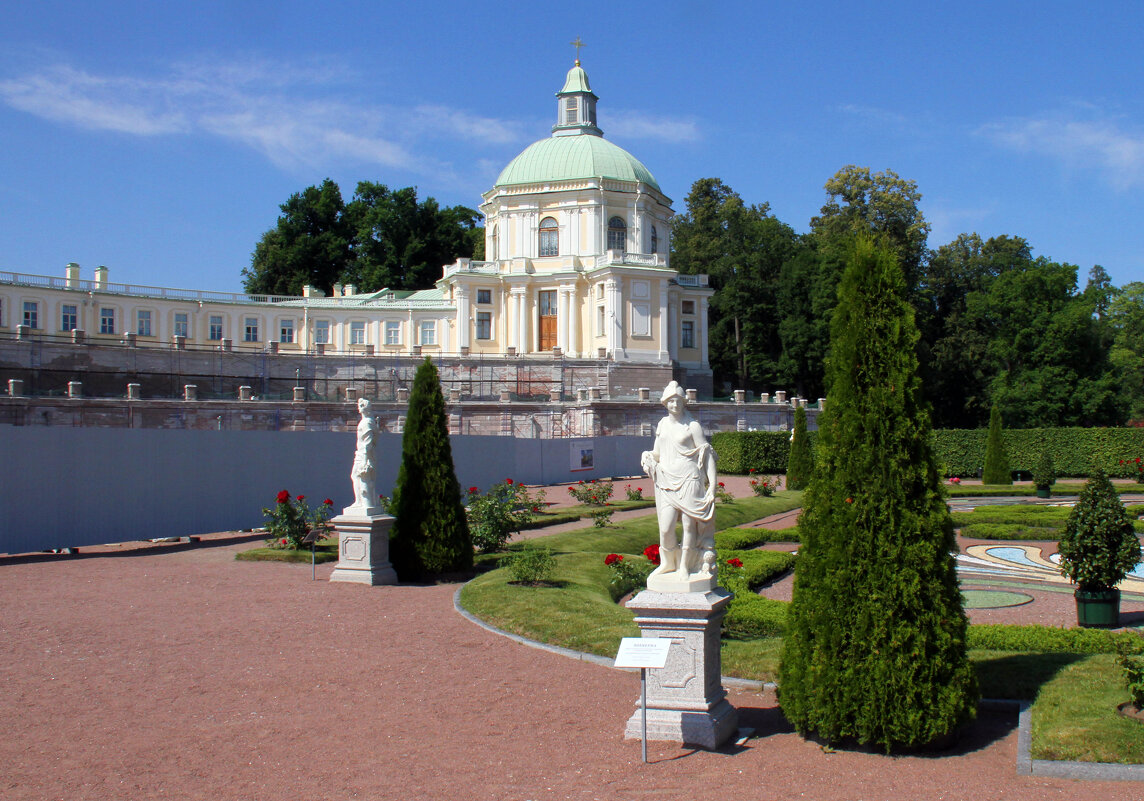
(363, 547)
(686, 702)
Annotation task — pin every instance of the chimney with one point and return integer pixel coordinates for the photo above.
(101, 277)
(71, 273)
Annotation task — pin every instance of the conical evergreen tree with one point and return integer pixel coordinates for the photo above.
(876, 644)
(996, 460)
(800, 463)
(430, 534)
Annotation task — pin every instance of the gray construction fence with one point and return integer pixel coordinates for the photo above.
(73, 487)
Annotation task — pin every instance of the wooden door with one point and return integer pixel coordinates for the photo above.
(547, 327)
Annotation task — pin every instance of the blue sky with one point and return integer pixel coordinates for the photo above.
(160, 138)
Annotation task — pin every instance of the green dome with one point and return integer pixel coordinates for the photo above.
(570, 158)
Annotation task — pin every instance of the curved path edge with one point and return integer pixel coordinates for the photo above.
(1102, 771)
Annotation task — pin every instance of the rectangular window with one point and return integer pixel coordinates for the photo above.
(182, 324)
(484, 296)
(31, 314)
(599, 321)
(107, 321)
(322, 332)
(688, 307)
(392, 332)
(69, 318)
(599, 291)
(484, 325)
(286, 332)
(641, 320)
(569, 111)
(143, 323)
(357, 333)
(428, 332)
(687, 332)
(215, 332)
(251, 329)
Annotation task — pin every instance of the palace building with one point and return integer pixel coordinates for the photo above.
(577, 237)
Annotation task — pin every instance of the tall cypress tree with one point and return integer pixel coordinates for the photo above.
(996, 460)
(800, 464)
(876, 645)
(430, 534)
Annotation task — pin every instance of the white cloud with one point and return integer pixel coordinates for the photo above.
(293, 115)
(1086, 144)
(638, 125)
(66, 95)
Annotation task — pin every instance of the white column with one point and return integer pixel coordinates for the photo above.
(562, 319)
(462, 318)
(672, 331)
(702, 333)
(664, 347)
(615, 318)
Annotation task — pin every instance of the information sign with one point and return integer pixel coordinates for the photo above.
(642, 652)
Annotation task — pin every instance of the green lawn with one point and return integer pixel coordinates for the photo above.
(1074, 695)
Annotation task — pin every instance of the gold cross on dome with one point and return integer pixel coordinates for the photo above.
(577, 44)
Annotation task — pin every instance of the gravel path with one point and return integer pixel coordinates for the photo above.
(167, 671)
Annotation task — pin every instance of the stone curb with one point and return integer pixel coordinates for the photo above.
(1026, 765)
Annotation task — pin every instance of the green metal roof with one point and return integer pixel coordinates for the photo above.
(577, 81)
(569, 158)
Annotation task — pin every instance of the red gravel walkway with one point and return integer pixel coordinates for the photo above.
(142, 671)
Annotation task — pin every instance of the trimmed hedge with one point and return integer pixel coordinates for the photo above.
(961, 452)
(1047, 639)
(752, 616)
(734, 539)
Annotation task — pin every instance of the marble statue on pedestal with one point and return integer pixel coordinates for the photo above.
(363, 528)
(363, 474)
(682, 466)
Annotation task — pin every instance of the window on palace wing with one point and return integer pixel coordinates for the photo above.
(286, 332)
(69, 318)
(392, 332)
(599, 321)
(215, 329)
(654, 240)
(569, 111)
(484, 325)
(428, 332)
(617, 234)
(321, 332)
(31, 314)
(182, 324)
(687, 331)
(549, 237)
(357, 333)
(143, 323)
(250, 333)
(107, 321)
(484, 296)
(688, 306)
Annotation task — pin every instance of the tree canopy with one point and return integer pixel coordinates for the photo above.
(381, 239)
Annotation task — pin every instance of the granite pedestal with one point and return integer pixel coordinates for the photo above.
(686, 702)
(363, 547)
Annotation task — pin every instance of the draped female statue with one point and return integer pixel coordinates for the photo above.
(682, 466)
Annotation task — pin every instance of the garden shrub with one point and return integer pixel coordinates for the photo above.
(764, 451)
(1099, 545)
(1048, 639)
(875, 647)
(759, 567)
(531, 565)
(495, 515)
(430, 533)
(996, 470)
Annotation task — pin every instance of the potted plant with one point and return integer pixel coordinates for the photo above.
(1044, 476)
(1097, 551)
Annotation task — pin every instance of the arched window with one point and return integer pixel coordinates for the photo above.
(617, 234)
(549, 237)
(654, 240)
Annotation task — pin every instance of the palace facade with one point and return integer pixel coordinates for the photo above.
(577, 237)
